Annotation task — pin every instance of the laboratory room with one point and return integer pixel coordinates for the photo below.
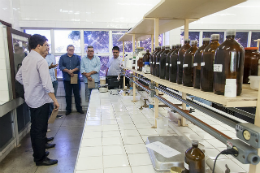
(133, 86)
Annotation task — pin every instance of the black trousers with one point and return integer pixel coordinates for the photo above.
(68, 91)
(39, 120)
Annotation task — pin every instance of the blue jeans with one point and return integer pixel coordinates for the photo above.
(88, 91)
(55, 86)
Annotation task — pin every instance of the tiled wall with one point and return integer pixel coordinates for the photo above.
(4, 89)
(10, 12)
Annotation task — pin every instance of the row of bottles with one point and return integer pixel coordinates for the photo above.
(210, 67)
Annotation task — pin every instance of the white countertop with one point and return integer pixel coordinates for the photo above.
(113, 139)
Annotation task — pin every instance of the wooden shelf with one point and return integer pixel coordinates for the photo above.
(248, 97)
(189, 9)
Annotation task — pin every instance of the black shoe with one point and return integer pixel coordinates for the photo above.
(47, 153)
(59, 116)
(47, 162)
(48, 146)
(68, 112)
(49, 139)
(81, 112)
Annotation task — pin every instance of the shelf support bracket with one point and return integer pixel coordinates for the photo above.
(134, 88)
(186, 28)
(183, 120)
(133, 42)
(156, 107)
(152, 37)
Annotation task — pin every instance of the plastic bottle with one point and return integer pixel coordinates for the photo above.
(196, 63)
(181, 52)
(162, 65)
(207, 61)
(229, 64)
(251, 63)
(158, 56)
(154, 61)
(194, 161)
(188, 64)
(173, 64)
(168, 58)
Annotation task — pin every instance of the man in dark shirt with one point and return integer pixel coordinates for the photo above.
(69, 65)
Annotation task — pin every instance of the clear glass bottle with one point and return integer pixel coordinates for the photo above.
(162, 65)
(181, 52)
(158, 56)
(229, 64)
(154, 61)
(173, 64)
(197, 61)
(188, 64)
(167, 76)
(194, 161)
(251, 63)
(207, 61)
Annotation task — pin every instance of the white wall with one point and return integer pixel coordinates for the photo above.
(4, 66)
(83, 13)
(10, 12)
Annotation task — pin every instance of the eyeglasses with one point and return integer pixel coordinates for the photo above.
(90, 50)
(70, 49)
(115, 52)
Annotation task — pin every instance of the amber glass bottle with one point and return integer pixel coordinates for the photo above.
(229, 64)
(188, 64)
(151, 60)
(207, 61)
(194, 161)
(167, 75)
(147, 56)
(158, 56)
(154, 61)
(181, 52)
(251, 63)
(173, 64)
(140, 64)
(196, 63)
(162, 65)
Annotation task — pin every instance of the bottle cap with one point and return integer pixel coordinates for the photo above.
(206, 39)
(174, 46)
(231, 32)
(179, 45)
(167, 47)
(147, 50)
(186, 40)
(214, 37)
(146, 63)
(195, 142)
(193, 42)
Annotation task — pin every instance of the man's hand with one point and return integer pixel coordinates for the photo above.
(53, 66)
(90, 78)
(56, 105)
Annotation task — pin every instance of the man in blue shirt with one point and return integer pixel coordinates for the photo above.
(89, 67)
(69, 65)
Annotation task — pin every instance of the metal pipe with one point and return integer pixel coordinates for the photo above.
(212, 131)
(232, 123)
(242, 112)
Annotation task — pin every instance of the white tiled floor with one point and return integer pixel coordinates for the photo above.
(116, 130)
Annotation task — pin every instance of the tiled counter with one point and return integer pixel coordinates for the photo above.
(115, 131)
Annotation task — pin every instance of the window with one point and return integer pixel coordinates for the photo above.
(167, 38)
(192, 36)
(208, 34)
(98, 39)
(46, 33)
(103, 61)
(255, 36)
(63, 38)
(242, 38)
(115, 38)
(160, 39)
(146, 44)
